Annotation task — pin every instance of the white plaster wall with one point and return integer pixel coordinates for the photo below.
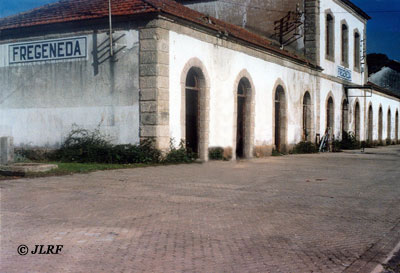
(223, 66)
(329, 87)
(386, 102)
(39, 102)
(336, 91)
(353, 23)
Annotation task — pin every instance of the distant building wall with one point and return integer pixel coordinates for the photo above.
(255, 15)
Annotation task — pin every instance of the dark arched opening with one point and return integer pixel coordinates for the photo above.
(345, 117)
(243, 117)
(307, 115)
(280, 119)
(370, 123)
(380, 127)
(397, 126)
(192, 107)
(357, 121)
(330, 117)
(389, 126)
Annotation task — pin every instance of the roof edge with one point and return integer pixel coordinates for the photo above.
(382, 89)
(357, 9)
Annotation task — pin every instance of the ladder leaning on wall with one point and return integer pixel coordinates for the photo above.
(324, 145)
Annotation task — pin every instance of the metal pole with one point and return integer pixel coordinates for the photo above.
(111, 38)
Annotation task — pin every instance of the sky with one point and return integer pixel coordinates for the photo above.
(383, 30)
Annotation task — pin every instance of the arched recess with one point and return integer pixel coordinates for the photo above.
(330, 116)
(380, 125)
(357, 120)
(243, 134)
(195, 107)
(345, 116)
(280, 120)
(307, 117)
(370, 124)
(396, 126)
(389, 125)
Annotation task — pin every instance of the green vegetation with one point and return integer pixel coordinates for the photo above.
(349, 141)
(179, 155)
(86, 151)
(70, 168)
(216, 153)
(276, 153)
(304, 147)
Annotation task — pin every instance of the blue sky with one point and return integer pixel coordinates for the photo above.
(383, 32)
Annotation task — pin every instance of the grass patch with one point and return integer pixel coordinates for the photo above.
(73, 167)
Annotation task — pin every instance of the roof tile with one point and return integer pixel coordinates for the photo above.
(78, 10)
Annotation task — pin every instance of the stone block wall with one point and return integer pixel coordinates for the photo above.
(311, 30)
(154, 84)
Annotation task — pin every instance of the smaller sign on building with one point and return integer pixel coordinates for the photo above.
(344, 73)
(46, 50)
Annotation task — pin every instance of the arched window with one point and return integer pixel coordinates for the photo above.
(389, 125)
(243, 119)
(280, 119)
(330, 116)
(192, 101)
(330, 37)
(345, 45)
(307, 114)
(397, 127)
(380, 126)
(357, 48)
(345, 116)
(370, 124)
(357, 121)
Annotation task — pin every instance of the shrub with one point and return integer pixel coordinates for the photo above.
(82, 145)
(145, 152)
(275, 153)
(349, 141)
(336, 146)
(181, 154)
(305, 147)
(35, 154)
(216, 153)
(86, 146)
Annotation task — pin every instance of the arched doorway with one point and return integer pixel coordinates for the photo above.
(380, 127)
(396, 126)
(330, 117)
(280, 119)
(243, 117)
(192, 109)
(370, 123)
(345, 117)
(389, 125)
(357, 121)
(307, 115)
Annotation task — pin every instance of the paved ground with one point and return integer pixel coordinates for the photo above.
(303, 213)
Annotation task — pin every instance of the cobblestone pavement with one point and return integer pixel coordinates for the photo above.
(300, 213)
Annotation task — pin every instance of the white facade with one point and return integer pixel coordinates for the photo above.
(40, 101)
(223, 67)
(341, 14)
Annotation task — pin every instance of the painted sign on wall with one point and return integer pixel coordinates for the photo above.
(46, 50)
(344, 73)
